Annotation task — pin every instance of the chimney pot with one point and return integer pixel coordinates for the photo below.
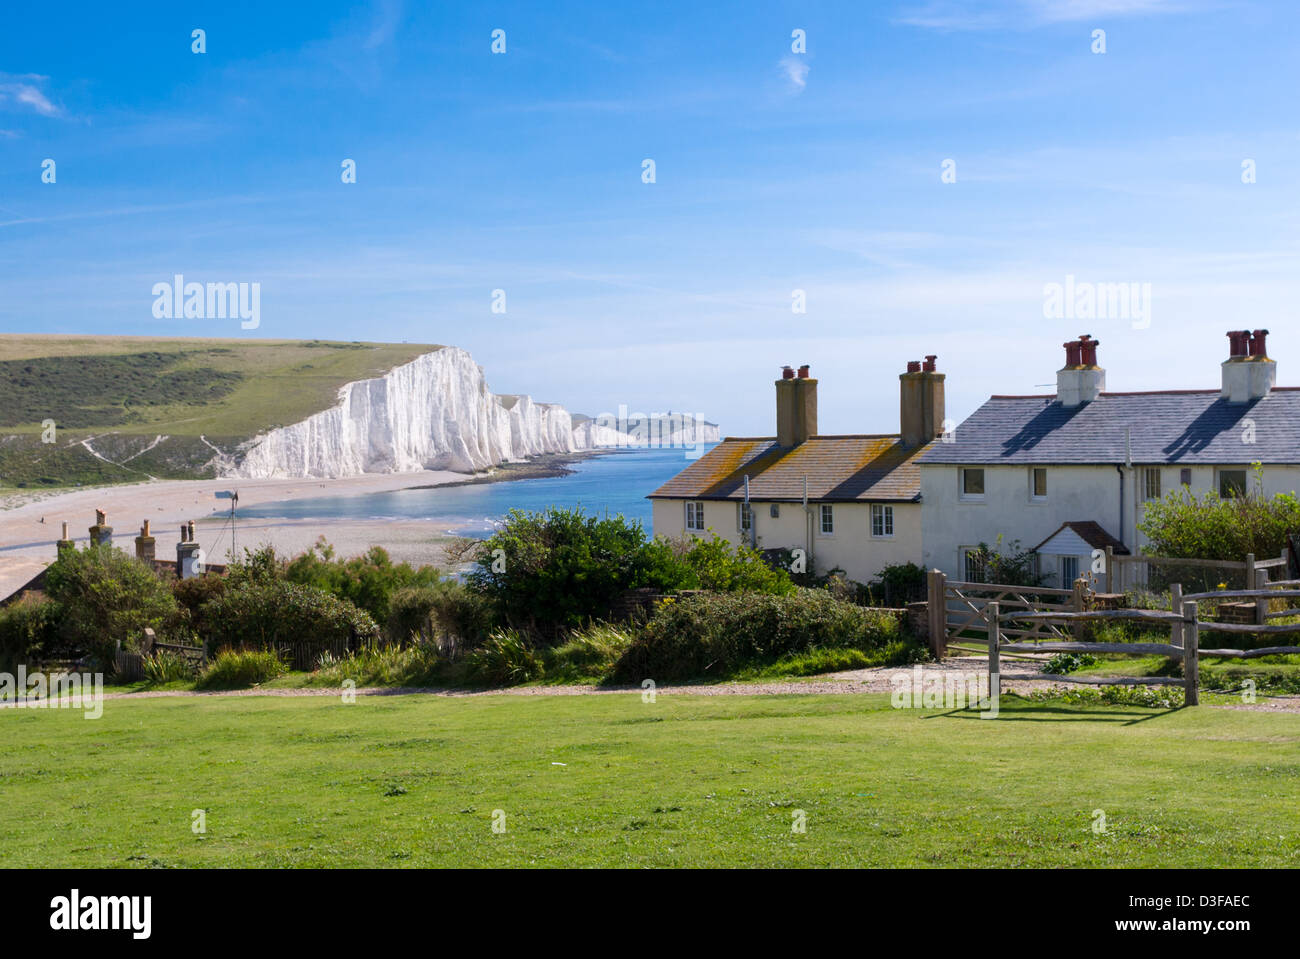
(1257, 345)
(1073, 353)
(787, 373)
(929, 363)
(914, 366)
(1239, 342)
(803, 372)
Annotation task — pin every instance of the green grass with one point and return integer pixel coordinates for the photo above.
(136, 388)
(685, 781)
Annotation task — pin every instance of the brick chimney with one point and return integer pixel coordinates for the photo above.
(187, 553)
(1248, 373)
(65, 543)
(101, 534)
(1081, 380)
(145, 545)
(920, 402)
(796, 407)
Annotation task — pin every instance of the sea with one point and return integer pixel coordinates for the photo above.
(610, 484)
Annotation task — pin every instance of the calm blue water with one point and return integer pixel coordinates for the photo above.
(611, 484)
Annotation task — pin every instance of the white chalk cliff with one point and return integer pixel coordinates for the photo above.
(435, 412)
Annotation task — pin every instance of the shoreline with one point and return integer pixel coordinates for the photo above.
(30, 525)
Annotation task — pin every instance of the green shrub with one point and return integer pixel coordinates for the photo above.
(506, 658)
(719, 566)
(1188, 526)
(27, 633)
(1063, 663)
(416, 665)
(553, 571)
(277, 615)
(165, 666)
(367, 581)
(714, 634)
(588, 653)
(446, 613)
(897, 585)
(104, 596)
(1012, 566)
(240, 668)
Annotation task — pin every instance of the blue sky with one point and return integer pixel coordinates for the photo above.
(775, 171)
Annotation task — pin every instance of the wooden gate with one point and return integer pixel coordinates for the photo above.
(957, 611)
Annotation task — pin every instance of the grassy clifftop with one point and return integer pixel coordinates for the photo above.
(112, 397)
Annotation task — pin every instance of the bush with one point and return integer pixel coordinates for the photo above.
(446, 614)
(1063, 663)
(588, 653)
(367, 581)
(897, 585)
(1186, 526)
(506, 658)
(166, 666)
(415, 665)
(552, 571)
(284, 616)
(104, 596)
(27, 633)
(1014, 567)
(715, 634)
(239, 669)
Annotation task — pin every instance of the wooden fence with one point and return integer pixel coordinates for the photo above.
(1185, 624)
(1128, 572)
(956, 610)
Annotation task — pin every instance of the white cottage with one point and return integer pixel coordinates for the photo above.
(1076, 469)
(850, 502)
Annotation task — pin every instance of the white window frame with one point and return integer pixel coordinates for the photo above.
(963, 554)
(1034, 495)
(1147, 473)
(886, 516)
(744, 511)
(826, 517)
(961, 484)
(695, 509)
(1067, 582)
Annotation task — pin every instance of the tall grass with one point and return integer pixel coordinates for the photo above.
(239, 669)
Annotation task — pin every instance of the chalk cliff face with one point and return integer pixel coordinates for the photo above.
(435, 412)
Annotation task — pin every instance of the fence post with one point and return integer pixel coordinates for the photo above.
(1110, 569)
(992, 618)
(1191, 654)
(937, 610)
(1261, 604)
(1176, 605)
(1250, 571)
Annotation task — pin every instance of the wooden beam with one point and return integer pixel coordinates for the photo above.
(1136, 649)
(1191, 661)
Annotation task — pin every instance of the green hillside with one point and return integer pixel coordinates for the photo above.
(121, 393)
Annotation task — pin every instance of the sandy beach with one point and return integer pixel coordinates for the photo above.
(30, 523)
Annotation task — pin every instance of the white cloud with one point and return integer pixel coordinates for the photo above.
(796, 71)
(25, 91)
(1021, 14)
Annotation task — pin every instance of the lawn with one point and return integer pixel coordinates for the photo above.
(611, 781)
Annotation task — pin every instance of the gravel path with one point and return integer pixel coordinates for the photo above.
(878, 680)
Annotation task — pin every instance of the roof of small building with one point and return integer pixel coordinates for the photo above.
(859, 468)
(1178, 426)
(1091, 533)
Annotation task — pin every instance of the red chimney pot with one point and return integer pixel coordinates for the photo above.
(1257, 346)
(914, 366)
(1088, 349)
(1073, 352)
(929, 363)
(787, 373)
(803, 372)
(1239, 342)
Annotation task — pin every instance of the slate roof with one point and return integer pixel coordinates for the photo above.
(864, 469)
(1173, 427)
(1091, 533)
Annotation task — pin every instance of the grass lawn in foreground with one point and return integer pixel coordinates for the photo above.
(609, 780)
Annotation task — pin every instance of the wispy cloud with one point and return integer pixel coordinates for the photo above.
(795, 69)
(1022, 14)
(388, 14)
(25, 91)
